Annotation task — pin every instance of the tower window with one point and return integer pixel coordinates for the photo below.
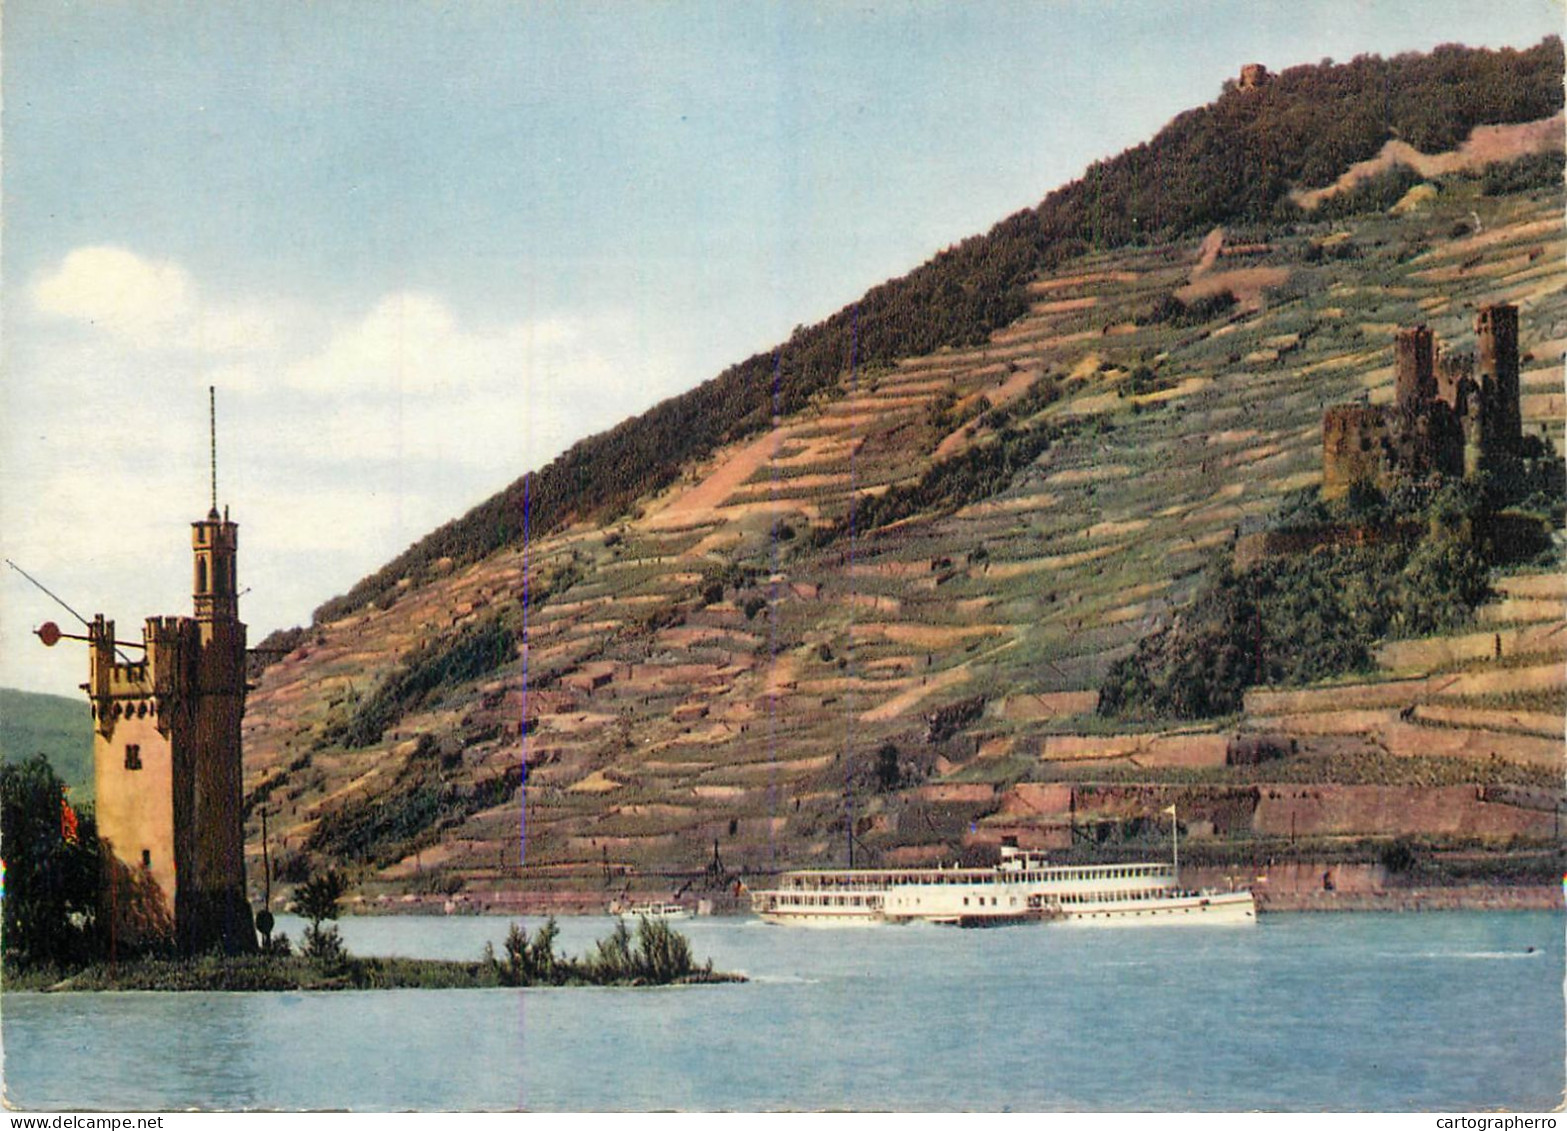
(201, 575)
(133, 757)
(146, 858)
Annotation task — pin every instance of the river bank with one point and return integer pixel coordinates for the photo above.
(652, 955)
(1351, 892)
(258, 974)
(1475, 897)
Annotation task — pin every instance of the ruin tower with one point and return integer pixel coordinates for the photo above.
(167, 764)
(1455, 385)
(1496, 371)
(1414, 368)
(1448, 419)
(1354, 440)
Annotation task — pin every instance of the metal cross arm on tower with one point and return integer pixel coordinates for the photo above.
(50, 634)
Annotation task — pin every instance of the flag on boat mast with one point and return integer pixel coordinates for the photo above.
(1175, 844)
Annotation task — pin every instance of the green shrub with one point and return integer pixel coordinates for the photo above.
(1537, 170)
(976, 473)
(663, 953)
(1142, 381)
(1374, 194)
(612, 960)
(51, 871)
(533, 962)
(1172, 311)
(317, 901)
(1298, 618)
(659, 955)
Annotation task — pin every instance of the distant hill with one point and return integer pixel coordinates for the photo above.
(866, 589)
(58, 728)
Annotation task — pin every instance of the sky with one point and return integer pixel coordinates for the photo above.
(420, 248)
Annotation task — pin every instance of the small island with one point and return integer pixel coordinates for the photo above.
(56, 940)
(652, 955)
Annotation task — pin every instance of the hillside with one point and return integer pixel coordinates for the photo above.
(1243, 158)
(58, 728)
(884, 597)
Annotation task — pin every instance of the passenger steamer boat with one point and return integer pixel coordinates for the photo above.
(1024, 887)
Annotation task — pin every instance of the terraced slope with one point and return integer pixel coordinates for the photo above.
(727, 679)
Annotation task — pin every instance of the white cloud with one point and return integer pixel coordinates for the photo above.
(410, 344)
(117, 290)
(145, 303)
(410, 382)
(343, 436)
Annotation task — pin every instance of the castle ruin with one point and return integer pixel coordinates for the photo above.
(1450, 416)
(1254, 76)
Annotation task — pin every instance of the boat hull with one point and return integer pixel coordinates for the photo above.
(1226, 909)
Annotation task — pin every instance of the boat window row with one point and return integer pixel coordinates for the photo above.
(1113, 896)
(880, 880)
(968, 877)
(794, 900)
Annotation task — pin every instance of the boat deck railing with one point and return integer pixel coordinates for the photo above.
(827, 879)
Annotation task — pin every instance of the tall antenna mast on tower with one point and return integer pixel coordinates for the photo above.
(212, 428)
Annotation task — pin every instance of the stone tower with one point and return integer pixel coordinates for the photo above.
(167, 764)
(1414, 368)
(1353, 448)
(1496, 332)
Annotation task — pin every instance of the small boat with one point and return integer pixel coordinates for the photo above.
(652, 911)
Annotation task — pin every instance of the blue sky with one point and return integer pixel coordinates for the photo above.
(421, 248)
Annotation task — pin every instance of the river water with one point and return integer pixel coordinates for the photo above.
(1439, 1011)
